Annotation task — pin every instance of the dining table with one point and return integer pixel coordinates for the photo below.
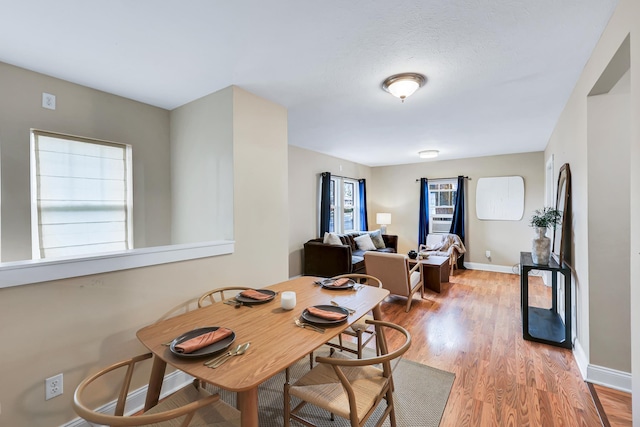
(276, 341)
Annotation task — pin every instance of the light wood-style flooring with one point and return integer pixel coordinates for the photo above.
(473, 329)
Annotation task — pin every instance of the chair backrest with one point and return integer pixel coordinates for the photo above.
(434, 240)
(391, 269)
(363, 279)
(83, 409)
(216, 295)
(385, 356)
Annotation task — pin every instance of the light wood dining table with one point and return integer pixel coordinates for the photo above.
(276, 341)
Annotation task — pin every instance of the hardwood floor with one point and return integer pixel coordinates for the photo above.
(473, 328)
(614, 406)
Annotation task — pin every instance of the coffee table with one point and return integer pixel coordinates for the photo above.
(435, 271)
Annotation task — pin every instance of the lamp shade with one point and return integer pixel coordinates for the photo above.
(403, 85)
(403, 88)
(383, 218)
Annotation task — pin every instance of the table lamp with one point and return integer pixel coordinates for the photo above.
(383, 219)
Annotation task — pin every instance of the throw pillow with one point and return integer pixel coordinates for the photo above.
(331, 239)
(376, 238)
(364, 243)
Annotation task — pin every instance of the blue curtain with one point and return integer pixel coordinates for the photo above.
(325, 203)
(457, 224)
(364, 225)
(423, 224)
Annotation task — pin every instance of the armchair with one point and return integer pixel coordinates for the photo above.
(449, 245)
(395, 273)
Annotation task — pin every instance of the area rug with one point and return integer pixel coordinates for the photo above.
(421, 394)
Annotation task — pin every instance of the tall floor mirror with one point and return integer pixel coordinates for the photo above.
(562, 233)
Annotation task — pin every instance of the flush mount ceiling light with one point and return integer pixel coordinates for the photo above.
(403, 85)
(428, 154)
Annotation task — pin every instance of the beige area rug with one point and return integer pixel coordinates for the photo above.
(421, 394)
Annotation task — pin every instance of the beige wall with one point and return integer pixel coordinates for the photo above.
(304, 169)
(394, 189)
(202, 153)
(76, 326)
(609, 292)
(569, 143)
(84, 112)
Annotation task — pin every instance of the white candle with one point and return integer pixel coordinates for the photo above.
(288, 300)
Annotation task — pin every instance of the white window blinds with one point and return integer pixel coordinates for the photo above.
(81, 201)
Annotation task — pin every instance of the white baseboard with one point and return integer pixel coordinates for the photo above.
(611, 378)
(581, 358)
(490, 267)
(135, 400)
(601, 375)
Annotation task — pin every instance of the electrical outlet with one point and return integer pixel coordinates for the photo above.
(48, 101)
(487, 254)
(53, 387)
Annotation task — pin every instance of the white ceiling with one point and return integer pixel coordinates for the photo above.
(499, 71)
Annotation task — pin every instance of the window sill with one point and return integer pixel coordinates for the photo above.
(34, 271)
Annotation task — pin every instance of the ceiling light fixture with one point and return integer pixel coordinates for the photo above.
(428, 154)
(403, 85)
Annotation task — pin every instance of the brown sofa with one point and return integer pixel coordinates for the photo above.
(326, 260)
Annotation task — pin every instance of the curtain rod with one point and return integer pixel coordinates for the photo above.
(345, 177)
(436, 179)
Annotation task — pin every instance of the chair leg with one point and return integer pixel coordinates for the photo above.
(287, 405)
(311, 360)
(359, 341)
(392, 413)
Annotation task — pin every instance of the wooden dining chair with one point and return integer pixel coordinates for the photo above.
(347, 387)
(216, 295)
(361, 331)
(189, 406)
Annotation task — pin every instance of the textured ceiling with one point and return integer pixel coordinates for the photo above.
(499, 71)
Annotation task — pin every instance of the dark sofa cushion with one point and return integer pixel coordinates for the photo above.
(358, 263)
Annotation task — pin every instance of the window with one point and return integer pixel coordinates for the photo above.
(345, 205)
(442, 202)
(81, 197)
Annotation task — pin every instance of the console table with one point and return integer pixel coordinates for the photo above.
(545, 324)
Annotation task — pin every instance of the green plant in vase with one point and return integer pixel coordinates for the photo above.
(541, 220)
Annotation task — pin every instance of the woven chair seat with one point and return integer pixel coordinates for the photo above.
(360, 324)
(322, 387)
(218, 414)
(347, 387)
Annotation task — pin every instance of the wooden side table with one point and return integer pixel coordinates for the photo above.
(545, 325)
(435, 271)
